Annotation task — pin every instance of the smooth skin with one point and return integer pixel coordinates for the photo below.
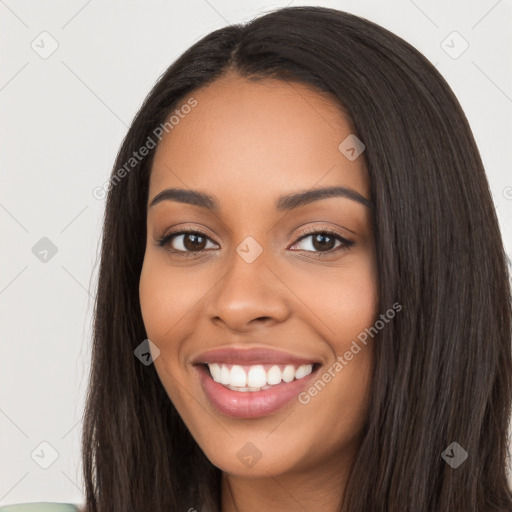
(247, 143)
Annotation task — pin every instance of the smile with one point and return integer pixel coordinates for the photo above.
(252, 383)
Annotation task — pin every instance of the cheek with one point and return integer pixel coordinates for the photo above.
(357, 296)
(165, 298)
(357, 303)
(344, 301)
(156, 302)
(166, 304)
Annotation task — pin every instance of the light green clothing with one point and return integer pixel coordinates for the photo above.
(40, 507)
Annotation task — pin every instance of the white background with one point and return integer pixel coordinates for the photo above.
(62, 121)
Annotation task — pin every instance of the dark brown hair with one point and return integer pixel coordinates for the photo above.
(443, 367)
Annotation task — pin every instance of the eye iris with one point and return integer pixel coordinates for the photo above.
(197, 240)
(319, 242)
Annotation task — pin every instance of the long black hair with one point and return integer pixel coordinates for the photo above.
(443, 367)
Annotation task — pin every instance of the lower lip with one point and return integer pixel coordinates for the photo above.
(250, 404)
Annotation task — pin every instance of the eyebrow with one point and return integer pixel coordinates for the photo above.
(284, 203)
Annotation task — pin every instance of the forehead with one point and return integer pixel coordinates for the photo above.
(253, 140)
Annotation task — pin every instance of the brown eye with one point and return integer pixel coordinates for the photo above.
(193, 242)
(185, 241)
(323, 241)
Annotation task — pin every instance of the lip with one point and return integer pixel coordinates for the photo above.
(250, 356)
(250, 404)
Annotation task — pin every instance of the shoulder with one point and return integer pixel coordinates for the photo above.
(40, 507)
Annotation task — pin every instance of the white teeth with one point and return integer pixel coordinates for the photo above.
(243, 390)
(274, 375)
(289, 373)
(256, 378)
(238, 377)
(303, 370)
(215, 371)
(225, 377)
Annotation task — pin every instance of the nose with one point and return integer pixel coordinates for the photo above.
(247, 296)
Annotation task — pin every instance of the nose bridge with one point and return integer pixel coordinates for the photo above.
(248, 290)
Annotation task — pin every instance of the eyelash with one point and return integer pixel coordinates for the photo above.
(345, 243)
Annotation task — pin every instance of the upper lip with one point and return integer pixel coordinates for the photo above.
(250, 356)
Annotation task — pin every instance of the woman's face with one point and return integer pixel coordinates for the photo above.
(259, 297)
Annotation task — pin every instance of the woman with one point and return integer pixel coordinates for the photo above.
(303, 298)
